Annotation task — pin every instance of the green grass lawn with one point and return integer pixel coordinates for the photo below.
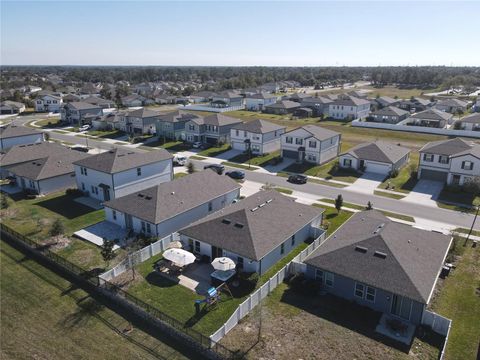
(283, 190)
(316, 181)
(48, 123)
(326, 171)
(403, 182)
(466, 231)
(179, 175)
(107, 134)
(388, 195)
(345, 204)
(459, 300)
(172, 146)
(240, 166)
(214, 150)
(448, 200)
(359, 207)
(262, 160)
(196, 157)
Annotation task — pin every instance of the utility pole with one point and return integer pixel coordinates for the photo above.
(471, 228)
(249, 150)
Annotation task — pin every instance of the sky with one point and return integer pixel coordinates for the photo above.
(240, 33)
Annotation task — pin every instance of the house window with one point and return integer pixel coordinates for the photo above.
(443, 159)
(114, 215)
(191, 127)
(210, 206)
(240, 262)
(359, 290)
(282, 249)
(319, 275)
(371, 292)
(143, 226)
(139, 171)
(428, 157)
(328, 279)
(197, 246)
(149, 228)
(244, 134)
(312, 144)
(467, 165)
(237, 133)
(293, 240)
(298, 141)
(289, 140)
(347, 162)
(311, 157)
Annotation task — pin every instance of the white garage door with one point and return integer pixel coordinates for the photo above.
(377, 168)
(238, 146)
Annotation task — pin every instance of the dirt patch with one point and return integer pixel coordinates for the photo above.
(56, 243)
(126, 279)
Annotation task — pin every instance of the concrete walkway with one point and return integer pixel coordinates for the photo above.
(367, 183)
(425, 192)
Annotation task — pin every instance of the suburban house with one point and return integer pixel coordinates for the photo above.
(172, 125)
(256, 232)
(272, 87)
(12, 135)
(139, 122)
(349, 108)
(470, 122)
(133, 100)
(477, 105)
(103, 103)
(452, 161)
(389, 114)
(360, 94)
(49, 173)
(166, 208)
(261, 136)
(120, 172)
(376, 157)
(298, 97)
(76, 112)
(415, 104)
(311, 143)
(71, 98)
(387, 266)
(451, 105)
(384, 101)
(282, 107)
(11, 107)
(227, 99)
(48, 103)
(319, 105)
(258, 101)
(212, 129)
(202, 97)
(431, 118)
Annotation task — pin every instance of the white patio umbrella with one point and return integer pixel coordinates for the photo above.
(223, 264)
(179, 256)
(175, 244)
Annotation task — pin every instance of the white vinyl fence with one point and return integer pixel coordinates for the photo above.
(441, 325)
(140, 256)
(294, 266)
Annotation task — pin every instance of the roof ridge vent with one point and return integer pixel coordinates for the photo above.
(238, 225)
(226, 221)
(380, 254)
(361, 249)
(140, 195)
(254, 209)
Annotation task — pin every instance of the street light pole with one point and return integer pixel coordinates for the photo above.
(471, 228)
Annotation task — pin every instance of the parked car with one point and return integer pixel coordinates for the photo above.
(218, 168)
(236, 174)
(84, 127)
(197, 145)
(179, 160)
(297, 179)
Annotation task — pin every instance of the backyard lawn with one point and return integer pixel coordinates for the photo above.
(43, 316)
(326, 171)
(466, 200)
(403, 182)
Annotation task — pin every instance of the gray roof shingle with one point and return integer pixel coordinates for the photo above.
(22, 153)
(432, 115)
(471, 119)
(447, 147)
(379, 151)
(216, 119)
(390, 111)
(258, 126)
(318, 132)
(11, 131)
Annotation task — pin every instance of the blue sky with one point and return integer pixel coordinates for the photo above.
(240, 33)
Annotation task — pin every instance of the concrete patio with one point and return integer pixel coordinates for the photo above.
(90, 202)
(195, 277)
(102, 230)
(404, 336)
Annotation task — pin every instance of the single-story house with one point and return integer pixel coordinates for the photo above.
(431, 118)
(11, 135)
(261, 136)
(77, 112)
(282, 107)
(298, 97)
(71, 98)
(258, 101)
(212, 129)
(359, 94)
(349, 108)
(311, 143)
(256, 232)
(470, 122)
(202, 96)
(133, 100)
(121, 171)
(226, 99)
(303, 112)
(172, 125)
(384, 101)
(415, 104)
(103, 103)
(11, 107)
(389, 114)
(376, 157)
(454, 161)
(139, 122)
(387, 266)
(451, 105)
(170, 206)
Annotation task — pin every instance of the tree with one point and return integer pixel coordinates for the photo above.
(190, 167)
(57, 228)
(369, 206)
(339, 202)
(107, 251)
(4, 204)
(46, 136)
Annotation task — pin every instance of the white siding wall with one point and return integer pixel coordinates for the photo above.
(21, 140)
(355, 162)
(93, 178)
(57, 183)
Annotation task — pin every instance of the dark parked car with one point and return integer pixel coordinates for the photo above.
(297, 179)
(236, 174)
(216, 167)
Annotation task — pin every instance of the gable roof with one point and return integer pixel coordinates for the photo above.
(317, 132)
(12, 104)
(316, 100)
(142, 113)
(432, 114)
(261, 95)
(471, 119)
(80, 105)
(452, 102)
(379, 151)
(255, 226)
(447, 147)
(216, 119)
(21, 153)
(386, 100)
(177, 116)
(121, 159)
(258, 126)
(350, 101)
(284, 104)
(166, 200)
(395, 257)
(11, 131)
(390, 111)
(98, 100)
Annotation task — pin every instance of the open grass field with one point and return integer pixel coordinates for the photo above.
(459, 300)
(388, 195)
(43, 316)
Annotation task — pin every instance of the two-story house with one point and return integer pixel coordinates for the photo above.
(48, 103)
(121, 171)
(172, 125)
(384, 101)
(389, 114)
(139, 122)
(452, 161)
(166, 208)
(212, 129)
(77, 112)
(133, 100)
(319, 105)
(348, 108)
(431, 118)
(227, 99)
(311, 143)
(470, 122)
(12, 135)
(415, 104)
(451, 105)
(258, 101)
(259, 135)
(103, 103)
(282, 107)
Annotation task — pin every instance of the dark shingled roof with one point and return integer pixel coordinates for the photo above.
(318, 132)
(216, 119)
(350, 101)
(261, 95)
(390, 111)
(120, 159)
(80, 105)
(143, 113)
(22, 153)
(169, 199)
(177, 116)
(379, 151)
(447, 147)
(258, 126)
(471, 119)
(452, 102)
(432, 114)
(409, 262)
(11, 131)
(284, 104)
(254, 226)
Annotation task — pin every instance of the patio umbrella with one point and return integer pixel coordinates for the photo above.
(179, 256)
(175, 244)
(223, 264)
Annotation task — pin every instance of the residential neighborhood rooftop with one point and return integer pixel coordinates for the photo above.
(318, 132)
(216, 119)
(258, 126)
(432, 114)
(21, 153)
(379, 151)
(390, 111)
(471, 119)
(10, 131)
(449, 147)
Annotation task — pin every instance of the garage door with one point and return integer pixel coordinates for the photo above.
(239, 146)
(377, 168)
(210, 140)
(433, 175)
(292, 154)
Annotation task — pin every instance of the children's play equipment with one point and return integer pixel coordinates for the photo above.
(212, 297)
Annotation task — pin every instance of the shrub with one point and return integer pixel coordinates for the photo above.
(57, 228)
(190, 167)
(394, 173)
(4, 203)
(369, 206)
(413, 171)
(74, 192)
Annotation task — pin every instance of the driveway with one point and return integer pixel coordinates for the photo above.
(425, 193)
(367, 183)
(229, 154)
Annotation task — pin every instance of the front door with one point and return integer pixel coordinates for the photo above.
(401, 307)
(106, 194)
(216, 252)
(362, 164)
(456, 180)
(128, 221)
